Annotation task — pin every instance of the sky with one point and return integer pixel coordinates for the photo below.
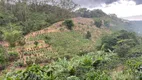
(122, 8)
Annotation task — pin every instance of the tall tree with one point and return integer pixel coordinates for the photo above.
(67, 4)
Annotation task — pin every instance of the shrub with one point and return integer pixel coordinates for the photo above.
(3, 58)
(29, 62)
(13, 56)
(12, 37)
(1, 35)
(69, 24)
(98, 23)
(106, 23)
(36, 43)
(19, 63)
(47, 39)
(22, 42)
(120, 42)
(88, 35)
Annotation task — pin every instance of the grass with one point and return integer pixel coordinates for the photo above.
(65, 44)
(70, 43)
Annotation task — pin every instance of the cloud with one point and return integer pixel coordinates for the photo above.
(96, 3)
(93, 3)
(122, 8)
(138, 2)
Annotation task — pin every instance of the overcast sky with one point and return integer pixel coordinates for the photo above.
(122, 8)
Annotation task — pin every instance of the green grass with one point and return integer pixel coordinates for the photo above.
(70, 43)
(67, 43)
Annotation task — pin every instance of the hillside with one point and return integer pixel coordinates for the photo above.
(52, 40)
(110, 21)
(57, 41)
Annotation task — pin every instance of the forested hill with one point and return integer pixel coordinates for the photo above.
(28, 16)
(110, 21)
(49, 40)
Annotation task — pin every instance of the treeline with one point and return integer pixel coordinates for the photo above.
(110, 21)
(32, 15)
(84, 12)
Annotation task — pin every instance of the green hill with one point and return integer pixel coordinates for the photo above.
(49, 40)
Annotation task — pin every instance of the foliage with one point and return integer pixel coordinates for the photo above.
(36, 43)
(22, 41)
(1, 36)
(92, 66)
(69, 24)
(13, 56)
(75, 69)
(68, 4)
(12, 37)
(88, 35)
(98, 23)
(3, 58)
(35, 15)
(47, 39)
(84, 12)
(121, 42)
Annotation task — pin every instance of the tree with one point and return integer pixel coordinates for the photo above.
(12, 37)
(67, 4)
(98, 23)
(120, 42)
(69, 24)
(83, 12)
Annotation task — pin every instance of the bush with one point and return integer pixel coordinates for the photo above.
(98, 23)
(1, 35)
(3, 58)
(120, 42)
(47, 39)
(88, 35)
(22, 42)
(13, 56)
(36, 43)
(19, 63)
(12, 37)
(69, 24)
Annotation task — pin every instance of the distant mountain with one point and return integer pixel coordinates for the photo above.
(134, 18)
(136, 26)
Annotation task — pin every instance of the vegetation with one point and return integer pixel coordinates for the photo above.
(33, 15)
(12, 37)
(84, 12)
(98, 23)
(69, 24)
(13, 56)
(29, 52)
(88, 35)
(3, 58)
(120, 42)
(36, 43)
(90, 66)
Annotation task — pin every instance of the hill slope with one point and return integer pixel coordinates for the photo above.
(57, 41)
